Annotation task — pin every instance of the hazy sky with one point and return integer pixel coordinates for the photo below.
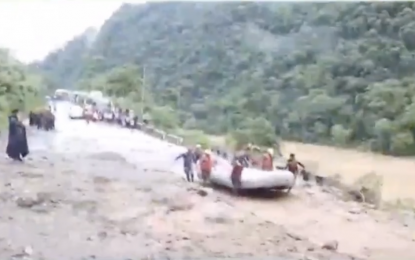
(33, 28)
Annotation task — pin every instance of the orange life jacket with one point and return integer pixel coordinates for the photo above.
(267, 162)
(206, 162)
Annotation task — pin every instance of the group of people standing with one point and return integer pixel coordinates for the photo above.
(125, 117)
(17, 145)
(243, 158)
(197, 156)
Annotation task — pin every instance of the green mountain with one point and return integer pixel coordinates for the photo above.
(334, 73)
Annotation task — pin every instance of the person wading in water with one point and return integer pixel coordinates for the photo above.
(292, 164)
(188, 160)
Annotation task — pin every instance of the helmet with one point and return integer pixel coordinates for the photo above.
(207, 151)
(270, 151)
(198, 146)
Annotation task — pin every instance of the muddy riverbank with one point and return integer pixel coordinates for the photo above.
(98, 192)
(62, 205)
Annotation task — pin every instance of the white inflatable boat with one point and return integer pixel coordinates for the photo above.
(251, 178)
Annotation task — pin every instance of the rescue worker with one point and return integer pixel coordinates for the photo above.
(267, 163)
(238, 163)
(188, 159)
(292, 164)
(244, 155)
(17, 147)
(206, 165)
(197, 153)
(255, 156)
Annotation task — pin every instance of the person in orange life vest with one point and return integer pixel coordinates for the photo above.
(268, 160)
(292, 164)
(206, 164)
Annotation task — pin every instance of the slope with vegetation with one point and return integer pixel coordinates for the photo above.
(333, 73)
(19, 87)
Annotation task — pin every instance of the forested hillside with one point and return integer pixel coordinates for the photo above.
(19, 87)
(337, 73)
(65, 66)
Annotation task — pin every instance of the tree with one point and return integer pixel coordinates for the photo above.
(124, 84)
(164, 117)
(18, 87)
(340, 134)
(332, 73)
(258, 131)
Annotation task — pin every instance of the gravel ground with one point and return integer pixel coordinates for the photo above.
(76, 200)
(58, 205)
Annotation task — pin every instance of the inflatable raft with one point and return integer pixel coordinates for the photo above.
(251, 178)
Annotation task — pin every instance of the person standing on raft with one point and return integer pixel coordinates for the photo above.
(17, 148)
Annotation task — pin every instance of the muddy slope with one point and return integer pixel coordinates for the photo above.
(62, 204)
(93, 191)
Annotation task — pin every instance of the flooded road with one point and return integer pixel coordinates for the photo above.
(92, 191)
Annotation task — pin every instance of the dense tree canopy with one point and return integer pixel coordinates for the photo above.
(19, 88)
(334, 73)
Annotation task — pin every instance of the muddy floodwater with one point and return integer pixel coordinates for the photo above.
(93, 191)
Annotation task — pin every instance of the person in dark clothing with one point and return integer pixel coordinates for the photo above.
(243, 158)
(188, 160)
(135, 121)
(17, 147)
(32, 119)
(238, 162)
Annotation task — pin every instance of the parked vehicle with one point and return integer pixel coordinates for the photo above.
(76, 112)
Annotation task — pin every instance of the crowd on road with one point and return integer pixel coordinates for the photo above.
(112, 114)
(195, 159)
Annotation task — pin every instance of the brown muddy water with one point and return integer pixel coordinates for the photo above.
(99, 192)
